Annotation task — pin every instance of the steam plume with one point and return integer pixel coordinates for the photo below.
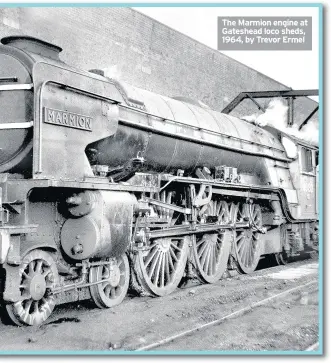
(276, 116)
(113, 72)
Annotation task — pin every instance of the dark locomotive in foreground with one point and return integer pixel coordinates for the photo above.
(103, 184)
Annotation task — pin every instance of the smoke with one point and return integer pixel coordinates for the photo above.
(310, 130)
(113, 72)
(290, 147)
(250, 118)
(276, 116)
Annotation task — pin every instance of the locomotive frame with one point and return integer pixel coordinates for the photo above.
(74, 227)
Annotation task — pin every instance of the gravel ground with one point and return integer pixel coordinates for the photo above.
(140, 321)
(290, 323)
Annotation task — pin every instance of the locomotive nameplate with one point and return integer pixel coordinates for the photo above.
(68, 119)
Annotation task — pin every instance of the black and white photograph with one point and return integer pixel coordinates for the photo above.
(161, 179)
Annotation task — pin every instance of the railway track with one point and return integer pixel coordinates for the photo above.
(233, 315)
(313, 347)
(142, 324)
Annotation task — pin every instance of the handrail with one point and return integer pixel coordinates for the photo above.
(16, 87)
(16, 125)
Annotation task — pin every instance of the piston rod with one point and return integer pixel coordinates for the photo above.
(185, 230)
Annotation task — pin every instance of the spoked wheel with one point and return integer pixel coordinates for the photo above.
(247, 244)
(38, 277)
(160, 266)
(211, 250)
(113, 289)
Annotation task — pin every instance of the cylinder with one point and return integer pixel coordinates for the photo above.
(102, 231)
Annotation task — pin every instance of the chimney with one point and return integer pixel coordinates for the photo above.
(33, 45)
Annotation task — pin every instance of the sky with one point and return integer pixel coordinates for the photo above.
(296, 69)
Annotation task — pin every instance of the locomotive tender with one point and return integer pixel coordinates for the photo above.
(103, 185)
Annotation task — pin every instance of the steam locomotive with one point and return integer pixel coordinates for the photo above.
(104, 185)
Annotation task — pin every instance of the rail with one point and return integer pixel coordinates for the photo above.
(313, 347)
(235, 314)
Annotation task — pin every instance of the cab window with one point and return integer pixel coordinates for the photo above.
(316, 158)
(307, 160)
